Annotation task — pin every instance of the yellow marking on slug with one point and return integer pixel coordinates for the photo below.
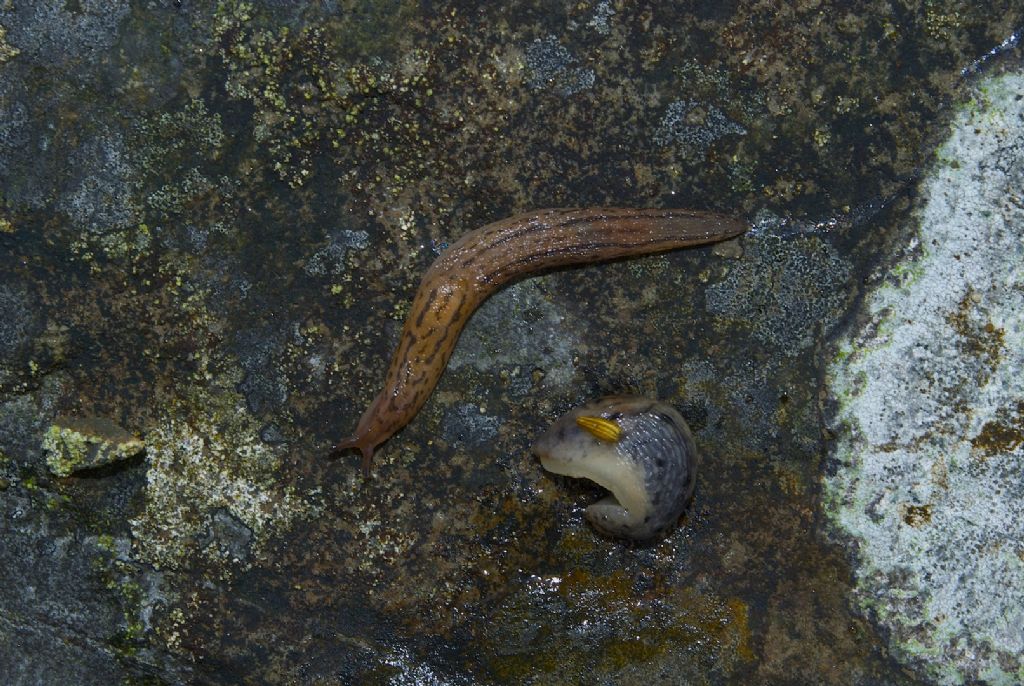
(601, 428)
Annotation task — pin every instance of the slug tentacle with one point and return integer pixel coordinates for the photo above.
(355, 443)
(607, 430)
(483, 261)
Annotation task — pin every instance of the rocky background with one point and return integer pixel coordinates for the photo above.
(213, 217)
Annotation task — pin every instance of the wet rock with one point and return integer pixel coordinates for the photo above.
(551, 65)
(789, 289)
(20, 321)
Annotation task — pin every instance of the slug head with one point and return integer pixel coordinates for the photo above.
(369, 433)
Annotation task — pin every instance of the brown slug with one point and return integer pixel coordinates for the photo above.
(638, 449)
(484, 260)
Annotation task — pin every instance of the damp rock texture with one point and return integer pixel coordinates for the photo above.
(492, 344)
(927, 484)
(789, 290)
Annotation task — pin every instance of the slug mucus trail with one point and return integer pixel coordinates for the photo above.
(484, 260)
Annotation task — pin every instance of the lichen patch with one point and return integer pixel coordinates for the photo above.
(206, 465)
(927, 487)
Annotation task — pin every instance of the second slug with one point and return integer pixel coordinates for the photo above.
(484, 260)
(640, 450)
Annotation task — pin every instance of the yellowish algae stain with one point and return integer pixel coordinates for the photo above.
(73, 444)
(1002, 434)
(603, 626)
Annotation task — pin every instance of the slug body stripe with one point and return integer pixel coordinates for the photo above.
(484, 260)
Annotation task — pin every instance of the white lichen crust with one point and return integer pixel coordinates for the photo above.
(929, 482)
(213, 488)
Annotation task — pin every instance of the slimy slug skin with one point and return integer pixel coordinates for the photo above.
(484, 260)
(640, 450)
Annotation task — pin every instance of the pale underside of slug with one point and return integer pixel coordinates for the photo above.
(484, 260)
(649, 464)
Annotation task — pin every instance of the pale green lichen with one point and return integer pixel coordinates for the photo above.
(73, 444)
(306, 95)
(205, 458)
(173, 150)
(7, 51)
(157, 168)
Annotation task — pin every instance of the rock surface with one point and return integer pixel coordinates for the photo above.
(213, 217)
